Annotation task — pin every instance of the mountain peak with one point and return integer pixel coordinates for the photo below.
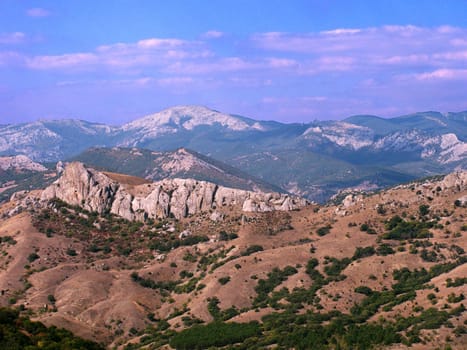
(177, 118)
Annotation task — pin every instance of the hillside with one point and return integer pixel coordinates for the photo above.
(182, 163)
(386, 270)
(20, 173)
(315, 159)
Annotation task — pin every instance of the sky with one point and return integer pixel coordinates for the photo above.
(113, 61)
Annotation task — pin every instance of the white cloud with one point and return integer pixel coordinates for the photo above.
(281, 62)
(213, 34)
(151, 52)
(443, 74)
(227, 64)
(341, 31)
(156, 43)
(175, 81)
(62, 61)
(12, 38)
(38, 12)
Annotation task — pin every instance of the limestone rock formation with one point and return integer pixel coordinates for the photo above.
(96, 191)
(20, 162)
(87, 188)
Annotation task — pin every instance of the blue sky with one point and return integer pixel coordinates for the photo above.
(116, 60)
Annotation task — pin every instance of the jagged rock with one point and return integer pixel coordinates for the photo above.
(19, 195)
(184, 234)
(216, 216)
(351, 200)
(59, 167)
(87, 188)
(96, 191)
(462, 200)
(454, 180)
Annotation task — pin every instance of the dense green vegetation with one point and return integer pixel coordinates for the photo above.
(252, 249)
(266, 286)
(214, 334)
(363, 252)
(19, 333)
(323, 231)
(400, 229)
(458, 281)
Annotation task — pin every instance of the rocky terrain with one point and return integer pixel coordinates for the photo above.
(137, 199)
(20, 173)
(385, 270)
(313, 160)
(20, 163)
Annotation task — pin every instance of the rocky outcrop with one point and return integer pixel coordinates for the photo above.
(95, 191)
(457, 179)
(20, 163)
(87, 188)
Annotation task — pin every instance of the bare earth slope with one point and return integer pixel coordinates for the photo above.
(398, 255)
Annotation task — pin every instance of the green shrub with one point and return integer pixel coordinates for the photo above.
(71, 252)
(336, 266)
(224, 280)
(33, 257)
(459, 281)
(322, 231)
(424, 209)
(364, 290)
(252, 249)
(400, 229)
(215, 334)
(363, 252)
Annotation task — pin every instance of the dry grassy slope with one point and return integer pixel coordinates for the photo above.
(97, 299)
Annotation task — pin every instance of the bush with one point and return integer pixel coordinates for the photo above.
(364, 290)
(252, 249)
(459, 281)
(33, 257)
(424, 209)
(322, 231)
(336, 266)
(224, 280)
(384, 249)
(224, 236)
(215, 334)
(400, 229)
(71, 252)
(363, 252)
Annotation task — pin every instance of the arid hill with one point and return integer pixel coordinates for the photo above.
(386, 270)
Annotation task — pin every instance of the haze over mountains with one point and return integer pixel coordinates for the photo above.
(314, 160)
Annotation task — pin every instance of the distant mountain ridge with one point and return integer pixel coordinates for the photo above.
(314, 159)
(182, 163)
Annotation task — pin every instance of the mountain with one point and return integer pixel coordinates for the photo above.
(316, 159)
(381, 271)
(19, 164)
(182, 163)
(52, 140)
(20, 173)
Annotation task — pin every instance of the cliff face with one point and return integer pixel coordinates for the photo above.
(96, 191)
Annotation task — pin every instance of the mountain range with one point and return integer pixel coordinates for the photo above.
(314, 160)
